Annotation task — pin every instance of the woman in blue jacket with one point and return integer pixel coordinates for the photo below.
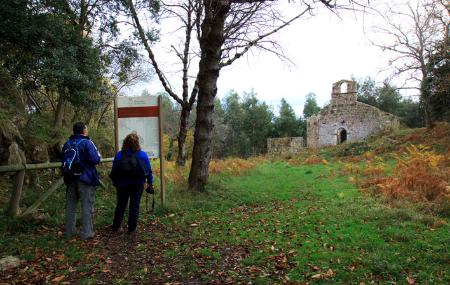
(131, 169)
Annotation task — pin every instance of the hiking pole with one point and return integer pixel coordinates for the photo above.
(153, 203)
(146, 202)
(150, 190)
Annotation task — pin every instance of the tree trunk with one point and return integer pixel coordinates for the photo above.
(425, 98)
(184, 119)
(102, 115)
(59, 114)
(75, 118)
(89, 116)
(210, 44)
(427, 117)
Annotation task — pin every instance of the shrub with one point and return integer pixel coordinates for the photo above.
(314, 159)
(352, 149)
(178, 175)
(233, 166)
(421, 175)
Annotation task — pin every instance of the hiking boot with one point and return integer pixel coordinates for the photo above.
(114, 232)
(132, 237)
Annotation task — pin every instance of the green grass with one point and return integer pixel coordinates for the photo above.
(272, 224)
(327, 223)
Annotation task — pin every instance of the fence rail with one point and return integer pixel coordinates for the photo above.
(35, 166)
(13, 207)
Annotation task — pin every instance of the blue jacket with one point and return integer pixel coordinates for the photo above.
(89, 157)
(125, 182)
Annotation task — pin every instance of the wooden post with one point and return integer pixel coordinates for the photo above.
(14, 202)
(116, 125)
(161, 156)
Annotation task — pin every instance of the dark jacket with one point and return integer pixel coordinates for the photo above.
(125, 182)
(89, 157)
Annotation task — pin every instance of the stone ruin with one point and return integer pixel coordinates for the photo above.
(346, 119)
(281, 146)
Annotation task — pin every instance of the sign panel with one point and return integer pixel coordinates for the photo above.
(139, 115)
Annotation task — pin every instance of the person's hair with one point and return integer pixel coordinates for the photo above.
(78, 128)
(131, 142)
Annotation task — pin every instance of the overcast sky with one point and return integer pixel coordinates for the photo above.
(324, 49)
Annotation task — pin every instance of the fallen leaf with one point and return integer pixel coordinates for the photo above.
(329, 273)
(410, 280)
(314, 267)
(58, 279)
(316, 276)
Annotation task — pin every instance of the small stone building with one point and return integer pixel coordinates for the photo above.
(346, 119)
(282, 146)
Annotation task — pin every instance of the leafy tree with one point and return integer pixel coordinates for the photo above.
(237, 141)
(302, 127)
(388, 99)
(310, 108)
(411, 113)
(41, 47)
(437, 82)
(220, 130)
(286, 124)
(247, 123)
(367, 91)
(257, 123)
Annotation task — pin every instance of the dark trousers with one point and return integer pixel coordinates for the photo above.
(134, 194)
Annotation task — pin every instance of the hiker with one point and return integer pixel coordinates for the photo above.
(80, 156)
(131, 169)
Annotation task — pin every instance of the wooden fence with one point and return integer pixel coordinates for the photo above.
(14, 203)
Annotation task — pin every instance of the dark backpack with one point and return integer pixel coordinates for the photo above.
(129, 166)
(72, 166)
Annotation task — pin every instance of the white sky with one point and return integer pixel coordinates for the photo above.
(324, 48)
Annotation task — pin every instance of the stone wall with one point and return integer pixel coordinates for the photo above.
(344, 114)
(285, 145)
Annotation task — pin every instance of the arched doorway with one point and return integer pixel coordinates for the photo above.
(341, 135)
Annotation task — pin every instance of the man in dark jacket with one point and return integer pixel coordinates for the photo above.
(82, 187)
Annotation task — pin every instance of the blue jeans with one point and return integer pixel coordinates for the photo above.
(79, 191)
(134, 194)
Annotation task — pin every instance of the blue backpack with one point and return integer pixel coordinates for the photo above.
(72, 166)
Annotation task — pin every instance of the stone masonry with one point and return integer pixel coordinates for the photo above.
(346, 119)
(285, 145)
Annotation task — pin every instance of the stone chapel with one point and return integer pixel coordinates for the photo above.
(347, 120)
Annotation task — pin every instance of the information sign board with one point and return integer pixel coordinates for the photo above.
(140, 115)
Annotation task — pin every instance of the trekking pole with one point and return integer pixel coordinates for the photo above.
(153, 203)
(146, 202)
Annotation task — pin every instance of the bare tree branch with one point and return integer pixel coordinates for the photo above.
(255, 41)
(151, 55)
(411, 35)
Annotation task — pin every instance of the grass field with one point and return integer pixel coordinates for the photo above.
(274, 224)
